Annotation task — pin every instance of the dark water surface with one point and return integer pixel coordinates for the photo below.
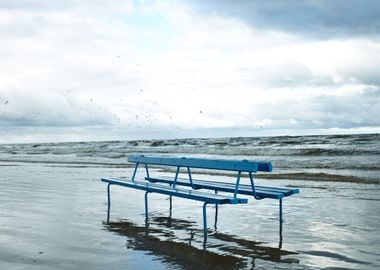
(53, 208)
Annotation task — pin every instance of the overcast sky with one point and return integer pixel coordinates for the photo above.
(97, 70)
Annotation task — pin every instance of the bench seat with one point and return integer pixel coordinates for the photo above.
(176, 192)
(261, 192)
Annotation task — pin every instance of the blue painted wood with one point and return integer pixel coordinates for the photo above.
(260, 191)
(177, 192)
(228, 165)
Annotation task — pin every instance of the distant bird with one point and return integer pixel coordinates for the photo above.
(6, 102)
(200, 111)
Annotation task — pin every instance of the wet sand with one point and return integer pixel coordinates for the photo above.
(55, 217)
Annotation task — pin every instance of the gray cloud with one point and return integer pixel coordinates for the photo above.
(353, 109)
(349, 111)
(50, 109)
(314, 19)
(285, 75)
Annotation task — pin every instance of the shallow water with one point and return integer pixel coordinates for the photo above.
(53, 215)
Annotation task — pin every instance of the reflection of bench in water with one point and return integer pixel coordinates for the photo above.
(199, 190)
(222, 252)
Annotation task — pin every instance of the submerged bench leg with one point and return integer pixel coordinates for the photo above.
(216, 212)
(170, 203)
(281, 221)
(146, 206)
(109, 196)
(109, 202)
(204, 221)
(281, 213)
(216, 215)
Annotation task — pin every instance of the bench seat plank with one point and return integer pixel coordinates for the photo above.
(261, 191)
(214, 164)
(177, 192)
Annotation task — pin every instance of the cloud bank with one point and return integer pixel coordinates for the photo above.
(313, 19)
(174, 65)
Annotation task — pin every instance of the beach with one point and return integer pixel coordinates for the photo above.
(53, 207)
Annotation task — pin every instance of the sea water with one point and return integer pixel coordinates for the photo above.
(53, 207)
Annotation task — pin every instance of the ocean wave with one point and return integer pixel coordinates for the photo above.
(327, 158)
(320, 177)
(334, 176)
